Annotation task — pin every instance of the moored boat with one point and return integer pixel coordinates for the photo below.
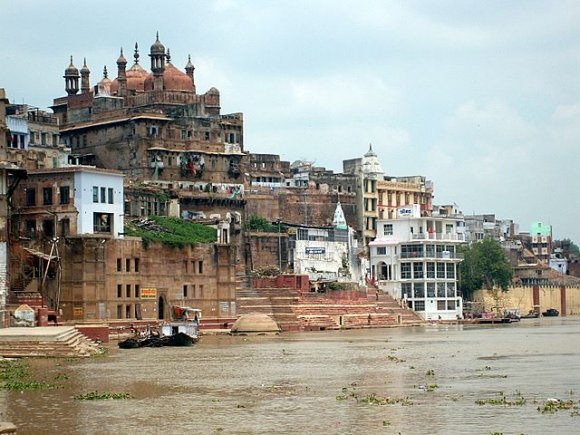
(551, 312)
(531, 315)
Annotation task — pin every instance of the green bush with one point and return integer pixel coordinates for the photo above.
(172, 231)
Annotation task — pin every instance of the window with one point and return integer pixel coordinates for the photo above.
(185, 291)
(200, 267)
(381, 250)
(65, 227)
(419, 290)
(440, 289)
(95, 194)
(102, 222)
(450, 271)
(419, 305)
(47, 196)
(388, 229)
(440, 270)
(451, 305)
(200, 291)
(430, 289)
(430, 270)
(128, 290)
(110, 195)
(119, 311)
(48, 228)
(430, 251)
(417, 270)
(119, 290)
(103, 195)
(441, 305)
(405, 270)
(137, 291)
(136, 265)
(405, 290)
(30, 228)
(64, 194)
(138, 315)
(30, 197)
(127, 264)
(128, 311)
(412, 251)
(119, 265)
(450, 289)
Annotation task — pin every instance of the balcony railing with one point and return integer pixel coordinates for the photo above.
(438, 236)
(445, 255)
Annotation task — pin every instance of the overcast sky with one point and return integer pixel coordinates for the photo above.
(482, 97)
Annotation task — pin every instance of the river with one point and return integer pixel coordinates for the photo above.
(332, 382)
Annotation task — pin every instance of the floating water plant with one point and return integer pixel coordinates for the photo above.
(503, 400)
(430, 372)
(95, 395)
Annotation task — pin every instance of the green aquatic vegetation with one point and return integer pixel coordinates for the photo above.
(372, 398)
(33, 385)
(552, 406)
(430, 372)
(431, 387)
(13, 370)
(503, 400)
(95, 395)
(395, 359)
(61, 377)
(386, 423)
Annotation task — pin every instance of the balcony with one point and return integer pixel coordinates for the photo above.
(445, 255)
(438, 236)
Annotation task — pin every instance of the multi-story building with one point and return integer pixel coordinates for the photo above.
(415, 259)
(155, 128)
(541, 240)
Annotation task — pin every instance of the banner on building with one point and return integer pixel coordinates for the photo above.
(315, 251)
(149, 293)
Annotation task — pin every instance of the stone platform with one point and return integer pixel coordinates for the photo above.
(51, 341)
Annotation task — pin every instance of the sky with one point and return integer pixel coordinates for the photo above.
(481, 97)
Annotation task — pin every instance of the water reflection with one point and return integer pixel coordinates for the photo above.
(290, 383)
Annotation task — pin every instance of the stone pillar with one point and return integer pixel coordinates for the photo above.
(563, 301)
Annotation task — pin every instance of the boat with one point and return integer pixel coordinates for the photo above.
(531, 315)
(182, 330)
(513, 314)
(551, 312)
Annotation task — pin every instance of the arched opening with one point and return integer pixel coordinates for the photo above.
(384, 271)
(161, 308)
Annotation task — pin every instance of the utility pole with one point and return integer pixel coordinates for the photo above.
(279, 246)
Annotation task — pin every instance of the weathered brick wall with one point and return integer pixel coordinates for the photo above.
(294, 282)
(123, 279)
(265, 249)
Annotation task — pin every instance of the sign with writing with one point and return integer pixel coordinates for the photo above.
(406, 211)
(78, 312)
(148, 293)
(315, 250)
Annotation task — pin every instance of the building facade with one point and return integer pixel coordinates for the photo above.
(415, 259)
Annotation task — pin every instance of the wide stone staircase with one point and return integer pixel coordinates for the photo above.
(53, 342)
(304, 311)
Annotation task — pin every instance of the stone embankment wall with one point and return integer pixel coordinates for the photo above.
(564, 299)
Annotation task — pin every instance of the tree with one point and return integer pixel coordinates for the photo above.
(568, 246)
(484, 266)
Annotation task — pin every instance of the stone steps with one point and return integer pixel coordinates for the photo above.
(67, 343)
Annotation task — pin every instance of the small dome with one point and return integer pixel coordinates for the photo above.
(255, 323)
(213, 91)
(71, 70)
(157, 47)
(121, 60)
(85, 68)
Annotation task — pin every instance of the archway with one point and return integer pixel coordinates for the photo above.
(161, 308)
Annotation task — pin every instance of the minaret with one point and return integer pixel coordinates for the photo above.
(158, 56)
(85, 72)
(339, 220)
(71, 79)
(122, 75)
(189, 69)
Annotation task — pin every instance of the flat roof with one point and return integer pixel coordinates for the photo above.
(76, 168)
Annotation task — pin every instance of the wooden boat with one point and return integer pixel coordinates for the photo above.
(551, 312)
(531, 315)
(183, 331)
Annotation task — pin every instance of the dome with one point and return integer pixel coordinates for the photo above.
(371, 163)
(85, 68)
(176, 80)
(173, 80)
(213, 91)
(136, 76)
(71, 70)
(157, 47)
(121, 60)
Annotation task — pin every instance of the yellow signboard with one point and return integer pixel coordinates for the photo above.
(77, 312)
(149, 293)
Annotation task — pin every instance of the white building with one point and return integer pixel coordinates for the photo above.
(327, 253)
(415, 259)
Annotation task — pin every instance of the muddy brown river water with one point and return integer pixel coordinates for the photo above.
(422, 380)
